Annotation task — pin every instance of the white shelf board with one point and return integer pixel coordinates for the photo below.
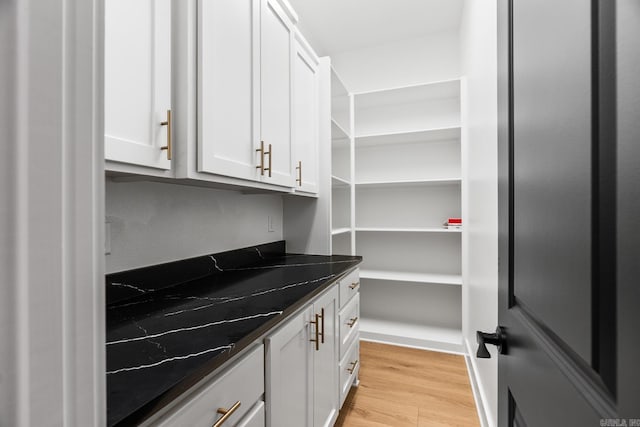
(338, 133)
(391, 183)
(336, 181)
(408, 94)
(409, 136)
(401, 276)
(412, 335)
(409, 229)
(337, 231)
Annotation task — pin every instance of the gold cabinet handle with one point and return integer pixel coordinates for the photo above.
(261, 151)
(353, 367)
(299, 168)
(270, 153)
(226, 413)
(354, 285)
(352, 321)
(322, 327)
(317, 325)
(167, 123)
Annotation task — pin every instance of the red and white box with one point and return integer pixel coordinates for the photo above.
(454, 223)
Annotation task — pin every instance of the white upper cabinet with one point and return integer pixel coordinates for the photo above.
(276, 30)
(228, 87)
(138, 82)
(305, 125)
(238, 120)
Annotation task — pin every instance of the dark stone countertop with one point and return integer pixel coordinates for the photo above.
(169, 326)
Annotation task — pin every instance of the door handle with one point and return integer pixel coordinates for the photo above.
(316, 323)
(498, 338)
(226, 413)
(270, 153)
(352, 322)
(167, 123)
(322, 323)
(261, 151)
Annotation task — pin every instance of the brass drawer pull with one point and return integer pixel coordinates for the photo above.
(322, 327)
(352, 321)
(317, 324)
(353, 367)
(354, 285)
(261, 151)
(167, 123)
(226, 413)
(270, 153)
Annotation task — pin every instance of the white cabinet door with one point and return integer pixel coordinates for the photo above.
(325, 362)
(228, 87)
(137, 81)
(289, 373)
(276, 95)
(305, 117)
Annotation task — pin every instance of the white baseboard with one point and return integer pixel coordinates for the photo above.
(476, 385)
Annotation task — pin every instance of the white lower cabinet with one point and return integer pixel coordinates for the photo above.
(349, 368)
(325, 361)
(349, 286)
(241, 383)
(349, 330)
(349, 321)
(302, 367)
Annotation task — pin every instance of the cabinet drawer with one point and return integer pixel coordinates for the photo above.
(242, 382)
(349, 286)
(349, 319)
(349, 368)
(255, 418)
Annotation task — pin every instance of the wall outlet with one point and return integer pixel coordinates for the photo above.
(107, 238)
(270, 228)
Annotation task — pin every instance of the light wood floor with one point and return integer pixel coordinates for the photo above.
(408, 387)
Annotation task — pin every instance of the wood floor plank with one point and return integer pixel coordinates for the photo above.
(369, 410)
(408, 387)
(437, 417)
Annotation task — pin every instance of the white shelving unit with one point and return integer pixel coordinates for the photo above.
(410, 230)
(342, 169)
(412, 182)
(411, 334)
(398, 276)
(338, 133)
(406, 180)
(336, 181)
(337, 231)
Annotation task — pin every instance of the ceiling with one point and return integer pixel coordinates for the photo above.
(333, 26)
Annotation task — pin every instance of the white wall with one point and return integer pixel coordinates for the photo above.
(478, 39)
(152, 222)
(431, 58)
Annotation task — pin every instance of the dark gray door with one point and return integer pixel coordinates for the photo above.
(569, 138)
